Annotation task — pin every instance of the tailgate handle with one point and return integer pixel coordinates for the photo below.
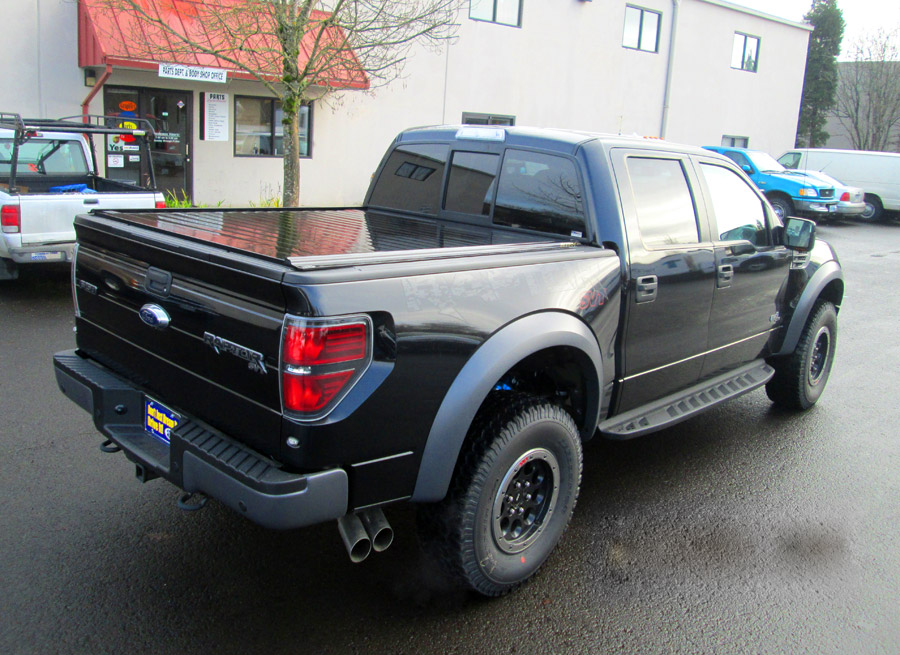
(91, 201)
(158, 281)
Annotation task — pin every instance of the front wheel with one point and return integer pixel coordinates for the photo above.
(801, 377)
(511, 497)
(783, 207)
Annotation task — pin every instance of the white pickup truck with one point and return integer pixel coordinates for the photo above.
(48, 175)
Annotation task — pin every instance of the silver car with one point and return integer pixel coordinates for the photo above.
(851, 199)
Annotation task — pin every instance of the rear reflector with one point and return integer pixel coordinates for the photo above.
(312, 393)
(9, 219)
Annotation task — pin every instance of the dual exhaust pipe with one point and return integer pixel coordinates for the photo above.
(364, 532)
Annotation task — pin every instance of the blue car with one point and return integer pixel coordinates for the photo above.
(791, 193)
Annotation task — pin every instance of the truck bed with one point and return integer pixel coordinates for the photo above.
(303, 237)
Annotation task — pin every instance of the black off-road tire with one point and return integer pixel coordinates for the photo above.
(801, 377)
(511, 497)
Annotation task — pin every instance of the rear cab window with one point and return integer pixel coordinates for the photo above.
(44, 157)
(411, 179)
(510, 187)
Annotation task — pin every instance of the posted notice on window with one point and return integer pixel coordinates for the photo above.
(215, 119)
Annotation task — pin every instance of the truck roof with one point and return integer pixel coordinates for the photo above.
(553, 139)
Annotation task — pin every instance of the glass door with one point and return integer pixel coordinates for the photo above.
(169, 112)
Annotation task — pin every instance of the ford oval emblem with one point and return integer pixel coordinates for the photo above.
(155, 316)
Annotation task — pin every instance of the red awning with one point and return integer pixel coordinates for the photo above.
(121, 40)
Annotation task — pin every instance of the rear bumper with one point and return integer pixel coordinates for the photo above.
(37, 253)
(851, 208)
(199, 458)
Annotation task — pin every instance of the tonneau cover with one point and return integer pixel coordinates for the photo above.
(293, 234)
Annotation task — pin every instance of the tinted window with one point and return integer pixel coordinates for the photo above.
(411, 179)
(739, 211)
(662, 198)
(471, 185)
(540, 192)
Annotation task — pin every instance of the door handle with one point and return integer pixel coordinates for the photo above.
(647, 286)
(91, 201)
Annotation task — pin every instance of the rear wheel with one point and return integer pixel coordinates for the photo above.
(511, 497)
(801, 377)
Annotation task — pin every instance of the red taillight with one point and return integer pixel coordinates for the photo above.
(312, 346)
(321, 360)
(845, 197)
(9, 219)
(160, 204)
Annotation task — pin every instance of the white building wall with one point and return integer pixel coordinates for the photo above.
(565, 67)
(710, 99)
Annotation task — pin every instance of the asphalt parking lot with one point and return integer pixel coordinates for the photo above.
(745, 530)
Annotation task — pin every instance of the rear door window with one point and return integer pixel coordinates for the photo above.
(541, 192)
(663, 202)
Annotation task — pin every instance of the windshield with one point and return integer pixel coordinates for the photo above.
(763, 161)
(44, 157)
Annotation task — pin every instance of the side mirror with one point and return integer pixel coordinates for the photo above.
(747, 168)
(799, 234)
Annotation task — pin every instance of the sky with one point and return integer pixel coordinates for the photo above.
(860, 16)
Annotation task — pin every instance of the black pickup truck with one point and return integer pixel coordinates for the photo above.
(503, 296)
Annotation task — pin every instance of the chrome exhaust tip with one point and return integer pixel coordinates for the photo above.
(380, 532)
(356, 539)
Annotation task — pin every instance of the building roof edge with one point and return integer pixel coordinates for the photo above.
(759, 14)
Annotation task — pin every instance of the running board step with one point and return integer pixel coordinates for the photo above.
(685, 404)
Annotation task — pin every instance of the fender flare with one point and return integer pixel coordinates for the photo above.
(827, 273)
(499, 353)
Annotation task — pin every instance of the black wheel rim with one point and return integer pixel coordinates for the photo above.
(818, 362)
(525, 500)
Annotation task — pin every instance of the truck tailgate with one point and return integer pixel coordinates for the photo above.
(48, 217)
(225, 313)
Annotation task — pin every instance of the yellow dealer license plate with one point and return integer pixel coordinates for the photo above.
(159, 420)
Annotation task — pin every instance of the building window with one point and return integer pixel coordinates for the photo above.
(730, 141)
(258, 131)
(641, 29)
(487, 119)
(745, 53)
(504, 12)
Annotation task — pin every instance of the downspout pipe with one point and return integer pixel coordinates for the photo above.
(85, 106)
(670, 67)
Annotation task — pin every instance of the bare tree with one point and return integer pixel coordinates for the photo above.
(868, 96)
(301, 50)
